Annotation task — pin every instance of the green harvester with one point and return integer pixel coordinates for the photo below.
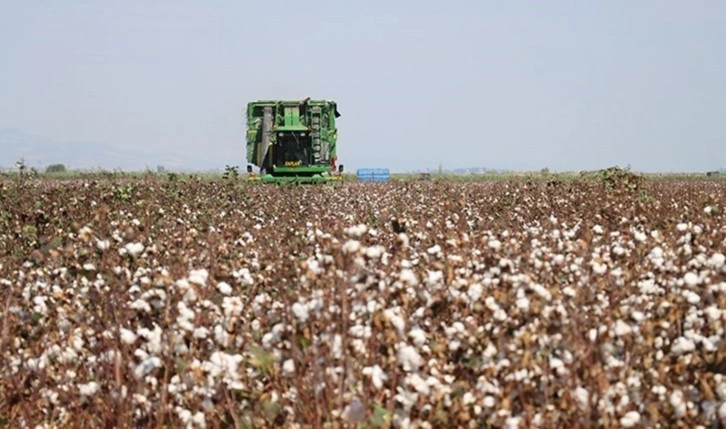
(293, 141)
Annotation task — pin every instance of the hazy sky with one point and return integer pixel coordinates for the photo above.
(568, 85)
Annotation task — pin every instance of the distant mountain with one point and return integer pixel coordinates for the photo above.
(40, 151)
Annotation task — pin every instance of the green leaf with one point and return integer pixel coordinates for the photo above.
(262, 360)
(379, 418)
(181, 365)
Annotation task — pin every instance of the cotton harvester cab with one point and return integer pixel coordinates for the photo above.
(293, 141)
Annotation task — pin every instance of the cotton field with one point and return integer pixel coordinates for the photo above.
(216, 303)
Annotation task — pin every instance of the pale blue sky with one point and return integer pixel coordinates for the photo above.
(568, 85)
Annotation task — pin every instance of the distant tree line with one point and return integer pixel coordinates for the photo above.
(55, 168)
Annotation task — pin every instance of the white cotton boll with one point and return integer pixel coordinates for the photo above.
(374, 252)
(141, 305)
(232, 306)
(513, 422)
(640, 236)
(255, 325)
(495, 244)
(599, 268)
(592, 335)
(682, 227)
(408, 277)
(300, 311)
(558, 365)
(153, 338)
(434, 250)
(630, 419)
(418, 383)
(184, 415)
(409, 358)
(622, 328)
(500, 315)
(127, 336)
(288, 367)
(378, 377)
(201, 333)
(677, 402)
(722, 412)
(691, 279)
(146, 366)
(103, 244)
(199, 420)
(40, 306)
(523, 303)
(403, 237)
(475, 291)
(435, 278)
(396, 320)
(198, 277)
(569, 291)
(89, 388)
(541, 291)
(713, 313)
(134, 249)
(356, 231)
(682, 345)
(351, 246)
(717, 260)
(224, 288)
(597, 229)
(418, 336)
(582, 396)
(691, 297)
(490, 351)
(489, 402)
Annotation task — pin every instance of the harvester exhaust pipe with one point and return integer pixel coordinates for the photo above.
(266, 128)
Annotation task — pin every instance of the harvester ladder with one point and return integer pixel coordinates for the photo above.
(315, 120)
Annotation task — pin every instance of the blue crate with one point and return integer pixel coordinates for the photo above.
(373, 174)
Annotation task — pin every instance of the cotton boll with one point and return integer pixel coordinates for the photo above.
(378, 377)
(717, 261)
(630, 419)
(418, 336)
(127, 336)
(677, 402)
(474, 292)
(300, 310)
(224, 288)
(622, 328)
(356, 231)
(682, 345)
(288, 368)
(133, 249)
(409, 358)
(691, 279)
(396, 320)
(88, 389)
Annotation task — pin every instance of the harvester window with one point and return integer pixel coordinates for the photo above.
(293, 149)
